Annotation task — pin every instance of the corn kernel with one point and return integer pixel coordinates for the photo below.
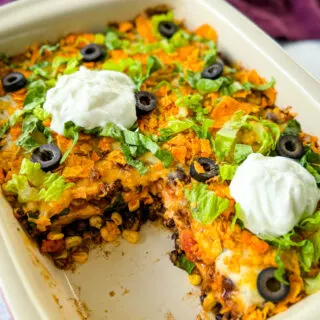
(80, 257)
(110, 231)
(131, 236)
(209, 302)
(116, 218)
(73, 241)
(54, 235)
(195, 279)
(61, 255)
(96, 222)
(133, 205)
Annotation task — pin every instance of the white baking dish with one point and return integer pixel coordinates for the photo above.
(145, 284)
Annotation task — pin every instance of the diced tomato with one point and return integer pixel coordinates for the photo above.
(189, 245)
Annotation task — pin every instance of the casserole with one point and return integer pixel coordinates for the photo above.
(302, 96)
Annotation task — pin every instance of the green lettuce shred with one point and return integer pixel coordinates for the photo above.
(32, 184)
(205, 205)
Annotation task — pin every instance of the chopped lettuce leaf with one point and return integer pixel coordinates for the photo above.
(280, 272)
(293, 128)
(312, 285)
(34, 133)
(99, 38)
(307, 248)
(175, 126)
(178, 40)
(226, 136)
(157, 18)
(142, 169)
(53, 187)
(113, 40)
(165, 157)
(241, 152)
(192, 78)
(32, 171)
(315, 239)
(267, 131)
(260, 87)
(227, 171)
(306, 256)
(185, 264)
(210, 56)
(4, 129)
(311, 223)
(36, 95)
(71, 131)
(192, 102)
(135, 144)
(32, 184)
(207, 85)
(48, 47)
(205, 205)
(202, 130)
(19, 185)
(237, 218)
(72, 65)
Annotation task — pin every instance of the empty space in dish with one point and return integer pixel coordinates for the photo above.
(139, 281)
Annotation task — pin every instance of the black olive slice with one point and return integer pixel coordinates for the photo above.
(213, 72)
(48, 155)
(167, 28)
(269, 287)
(13, 81)
(92, 52)
(210, 167)
(290, 146)
(145, 102)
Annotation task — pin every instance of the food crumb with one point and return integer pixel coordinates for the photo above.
(125, 291)
(169, 316)
(112, 293)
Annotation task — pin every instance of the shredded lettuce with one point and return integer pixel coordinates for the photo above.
(48, 47)
(308, 248)
(210, 56)
(311, 223)
(34, 133)
(135, 71)
(71, 64)
(279, 274)
(113, 39)
(32, 184)
(157, 18)
(207, 85)
(134, 144)
(241, 152)
(175, 126)
(311, 161)
(226, 138)
(227, 171)
(293, 128)
(71, 131)
(228, 89)
(312, 285)
(205, 205)
(185, 264)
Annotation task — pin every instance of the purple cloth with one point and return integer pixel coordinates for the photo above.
(4, 1)
(289, 19)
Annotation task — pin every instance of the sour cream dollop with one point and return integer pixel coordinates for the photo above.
(91, 99)
(274, 194)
